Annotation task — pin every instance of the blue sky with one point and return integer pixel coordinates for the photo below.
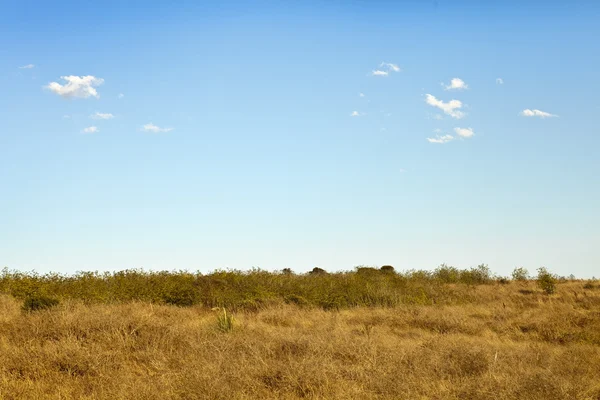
(222, 135)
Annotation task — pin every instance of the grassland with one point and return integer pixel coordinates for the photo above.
(366, 334)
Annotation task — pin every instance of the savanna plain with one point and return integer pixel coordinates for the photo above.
(371, 333)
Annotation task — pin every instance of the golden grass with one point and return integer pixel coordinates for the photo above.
(508, 342)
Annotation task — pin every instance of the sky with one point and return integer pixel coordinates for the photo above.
(175, 135)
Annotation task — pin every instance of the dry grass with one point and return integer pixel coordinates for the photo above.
(510, 342)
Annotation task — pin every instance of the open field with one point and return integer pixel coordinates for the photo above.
(360, 335)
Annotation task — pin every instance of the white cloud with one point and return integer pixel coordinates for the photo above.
(77, 86)
(499, 81)
(28, 66)
(390, 66)
(456, 84)
(90, 129)
(464, 132)
(361, 94)
(450, 108)
(99, 115)
(155, 129)
(356, 114)
(120, 96)
(379, 72)
(441, 139)
(536, 113)
(66, 116)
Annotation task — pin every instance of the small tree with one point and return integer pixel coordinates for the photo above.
(520, 274)
(388, 269)
(317, 271)
(546, 281)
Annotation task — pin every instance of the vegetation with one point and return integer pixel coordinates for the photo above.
(372, 333)
(546, 281)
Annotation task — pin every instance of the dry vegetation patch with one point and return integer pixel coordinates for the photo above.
(484, 341)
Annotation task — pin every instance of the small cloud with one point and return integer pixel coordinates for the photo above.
(120, 96)
(356, 114)
(450, 108)
(456, 84)
(536, 113)
(155, 129)
(499, 81)
(361, 95)
(464, 132)
(440, 139)
(66, 116)
(383, 129)
(76, 86)
(90, 129)
(390, 66)
(99, 115)
(437, 130)
(28, 66)
(379, 72)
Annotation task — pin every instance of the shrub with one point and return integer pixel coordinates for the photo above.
(180, 297)
(287, 271)
(39, 302)
(520, 274)
(317, 271)
(476, 276)
(388, 269)
(447, 274)
(546, 281)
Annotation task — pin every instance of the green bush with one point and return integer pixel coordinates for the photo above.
(39, 302)
(520, 274)
(546, 281)
(388, 269)
(318, 271)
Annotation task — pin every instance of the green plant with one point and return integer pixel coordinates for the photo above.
(520, 274)
(388, 269)
(39, 302)
(183, 297)
(546, 281)
(225, 322)
(317, 271)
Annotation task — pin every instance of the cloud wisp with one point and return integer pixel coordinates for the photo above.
(536, 113)
(451, 108)
(441, 139)
(378, 72)
(385, 69)
(76, 86)
(464, 132)
(499, 81)
(356, 114)
(28, 66)
(155, 129)
(390, 67)
(90, 129)
(456, 84)
(99, 115)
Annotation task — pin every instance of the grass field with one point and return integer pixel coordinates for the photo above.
(366, 334)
